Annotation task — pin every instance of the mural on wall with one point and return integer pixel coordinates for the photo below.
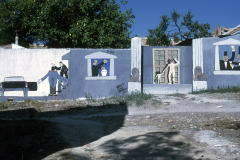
(237, 64)
(17, 83)
(135, 76)
(226, 60)
(63, 73)
(166, 66)
(53, 79)
(172, 63)
(225, 63)
(198, 75)
(100, 67)
(122, 88)
(63, 69)
(158, 77)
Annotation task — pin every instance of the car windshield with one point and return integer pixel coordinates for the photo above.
(13, 79)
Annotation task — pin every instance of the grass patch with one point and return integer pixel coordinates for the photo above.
(137, 98)
(134, 98)
(5, 105)
(219, 90)
(178, 95)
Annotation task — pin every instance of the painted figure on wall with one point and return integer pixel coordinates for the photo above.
(237, 64)
(52, 76)
(98, 69)
(158, 77)
(227, 64)
(135, 76)
(63, 72)
(63, 69)
(198, 75)
(172, 63)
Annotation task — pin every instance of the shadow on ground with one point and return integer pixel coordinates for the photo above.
(156, 145)
(28, 134)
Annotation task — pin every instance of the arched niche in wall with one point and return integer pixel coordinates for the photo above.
(100, 66)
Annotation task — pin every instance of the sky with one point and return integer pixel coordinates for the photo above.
(147, 13)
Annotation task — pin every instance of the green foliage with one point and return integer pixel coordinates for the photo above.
(71, 23)
(137, 98)
(157, 36)
(134, 98)
(177, 27)
(219, 90)
(4, 105)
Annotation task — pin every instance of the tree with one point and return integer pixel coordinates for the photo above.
(158, 35)
(178, 29)
(68, 23)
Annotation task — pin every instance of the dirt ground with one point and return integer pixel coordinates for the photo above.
(167, 127)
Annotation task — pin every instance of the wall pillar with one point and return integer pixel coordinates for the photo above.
(198, 63)
(136, 60)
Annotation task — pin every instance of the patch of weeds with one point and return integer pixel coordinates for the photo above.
(3, 106)
(105, 157)
(197, 128)
(122, 103)
(173, 128)
(226, 124)
(156, 102)
(219, 90)
(138, 98)
(6, 105)
(28, 103)
(179, 95)
(193, 98)
(89, 98)
(28, 100)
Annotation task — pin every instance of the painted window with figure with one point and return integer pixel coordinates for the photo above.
(227, 57)
(100, 67)
(228, 60)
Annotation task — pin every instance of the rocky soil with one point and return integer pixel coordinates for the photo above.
(167, 127)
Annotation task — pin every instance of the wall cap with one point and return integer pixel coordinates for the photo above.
(226, 72)
(229, 41)
(100, 55)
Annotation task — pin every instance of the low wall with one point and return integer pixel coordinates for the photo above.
(82, 85)
(215, 81)
(32, 64)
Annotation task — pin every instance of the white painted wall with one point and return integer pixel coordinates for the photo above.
(32, 64)
(136, 51)
(197, 53)
(14, 46)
